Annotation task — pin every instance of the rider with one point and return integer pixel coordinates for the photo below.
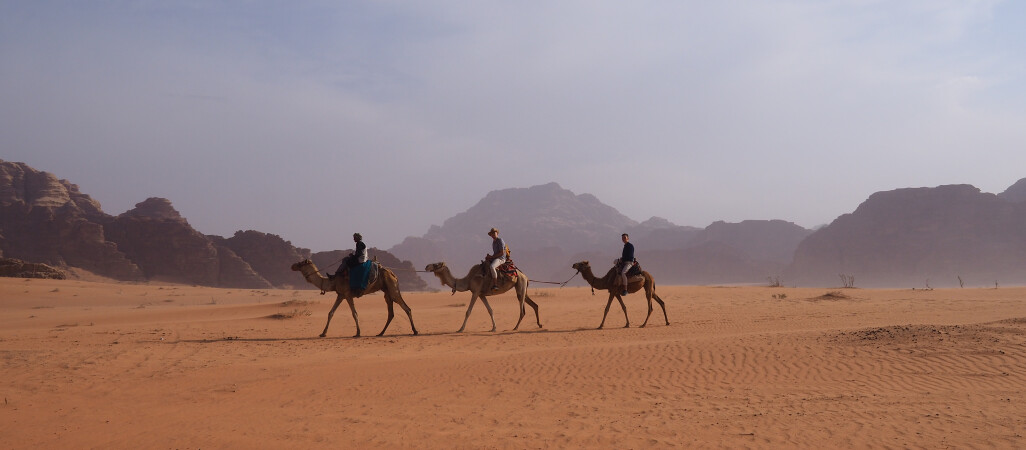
(359, 255)
(626, 261)
(497, 257)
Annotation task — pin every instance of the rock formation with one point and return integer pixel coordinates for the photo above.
(163, 244)
(548, 228)
(905, 237)
(47, 220)
(1015, 193)
(265, 253)
(20, 269)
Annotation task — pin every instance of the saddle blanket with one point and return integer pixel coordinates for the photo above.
(362, 275)
(505, 270)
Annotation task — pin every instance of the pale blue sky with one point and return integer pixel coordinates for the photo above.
(313, 120)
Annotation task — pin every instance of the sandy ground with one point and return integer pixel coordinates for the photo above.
(109, 365)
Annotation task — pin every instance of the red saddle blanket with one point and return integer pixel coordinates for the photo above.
(506, 270)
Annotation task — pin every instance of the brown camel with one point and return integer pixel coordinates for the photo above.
(634, 284)
(386, 282)
(479, 285)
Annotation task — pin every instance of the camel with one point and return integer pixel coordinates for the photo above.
(634, 284)
(386, 282)
(479, 285)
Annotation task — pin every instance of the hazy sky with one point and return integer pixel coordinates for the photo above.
(312, 120)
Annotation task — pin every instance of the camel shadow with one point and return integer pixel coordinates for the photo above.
(402, 336)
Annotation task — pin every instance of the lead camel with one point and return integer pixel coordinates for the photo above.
(386, 282)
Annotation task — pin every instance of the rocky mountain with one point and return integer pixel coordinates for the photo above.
(1016, 192)
(553, 227)
(759, 240)
(905, 237)
(161, 242)
(47, 220)
(543, 225)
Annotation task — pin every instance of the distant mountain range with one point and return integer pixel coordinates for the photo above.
(47, 220)
(548, 228)
(922, 237)
(905, 238)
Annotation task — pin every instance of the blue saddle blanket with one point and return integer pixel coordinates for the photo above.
(359, 275)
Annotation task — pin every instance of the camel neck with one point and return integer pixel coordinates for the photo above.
(314, 277)
(589, 276)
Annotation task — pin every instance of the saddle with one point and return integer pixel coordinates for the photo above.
(633, 274)
(360, 276)
(506, 270)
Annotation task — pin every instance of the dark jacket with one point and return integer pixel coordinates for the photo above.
(628, 253)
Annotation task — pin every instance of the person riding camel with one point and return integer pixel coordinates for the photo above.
(626, 261)
(357, 277)
(497, 257)
(357, 257)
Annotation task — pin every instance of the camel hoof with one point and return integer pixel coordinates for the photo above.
(415, 332)
(324, 334)
(627, 326)
(492, 330)
(356, 335)
(379, 334)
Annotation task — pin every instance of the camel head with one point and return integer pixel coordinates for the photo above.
(435, 267)
(580, 266)
(299, 265)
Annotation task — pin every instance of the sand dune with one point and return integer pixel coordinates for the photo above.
(121, 365)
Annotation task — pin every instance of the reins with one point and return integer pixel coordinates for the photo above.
(556, 282)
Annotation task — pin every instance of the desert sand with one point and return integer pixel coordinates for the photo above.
(114, 365)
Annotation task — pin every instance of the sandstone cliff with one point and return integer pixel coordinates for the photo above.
(47, 220)
(20, 269)
(269, 255)
(905, 237)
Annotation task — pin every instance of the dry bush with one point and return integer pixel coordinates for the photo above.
(290, 314)
(833, 295)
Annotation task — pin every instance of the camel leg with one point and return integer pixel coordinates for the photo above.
(649, 297)
(391, 314)
(489, 308)
(356, 319)
(604, 314)
(520, 297)
(534, 305)
(663, 305)
(473, 298)
(620, 299)
(409, 312)
(338, 301)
